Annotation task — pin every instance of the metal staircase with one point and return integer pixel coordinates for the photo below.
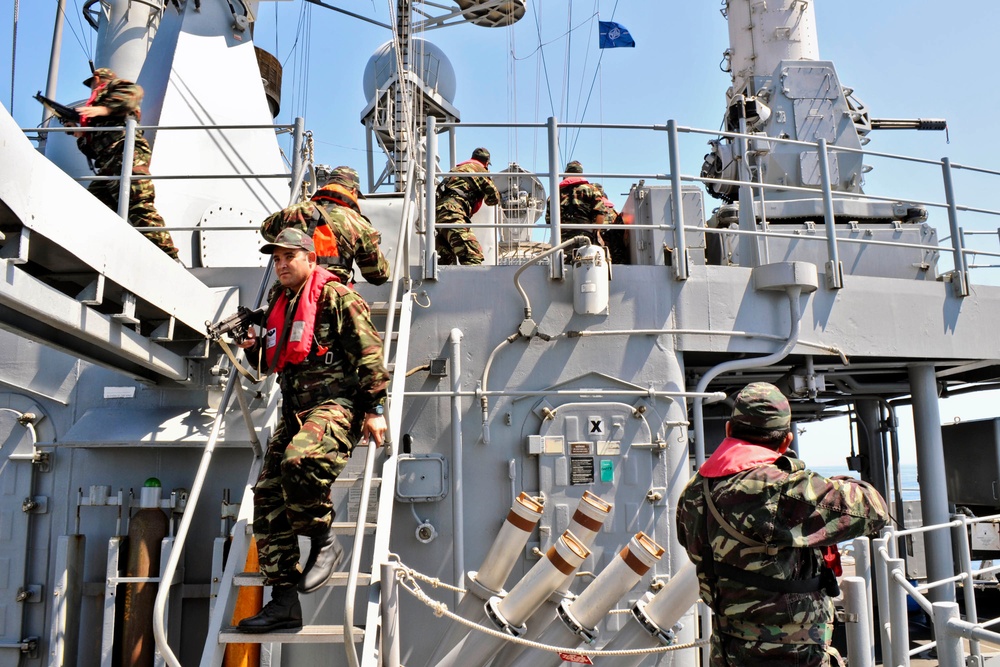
(361, 583)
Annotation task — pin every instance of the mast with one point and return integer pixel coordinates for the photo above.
(52, 81)
(403, 94)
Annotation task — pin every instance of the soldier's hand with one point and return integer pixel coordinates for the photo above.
(374, 427)
(250, 340)
(93, 112)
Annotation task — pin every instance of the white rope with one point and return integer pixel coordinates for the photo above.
(407, 579)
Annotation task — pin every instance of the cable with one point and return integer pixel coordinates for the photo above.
(13, 55)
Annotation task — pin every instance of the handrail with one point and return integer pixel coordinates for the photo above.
(163, 593)
(387, 488)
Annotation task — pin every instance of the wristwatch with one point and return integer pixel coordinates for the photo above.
(378, 410)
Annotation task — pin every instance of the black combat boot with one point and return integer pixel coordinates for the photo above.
(283, 612)
(325, 554)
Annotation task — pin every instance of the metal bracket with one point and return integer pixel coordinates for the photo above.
(35, 505)
(29, 593)
(92, 294)
(17, 253)
(834, 275)
(127, 316)
(43, 460)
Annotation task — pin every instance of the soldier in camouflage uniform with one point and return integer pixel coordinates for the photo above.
(458, 198)
(328, 356)
(341, 233)
(580, 203)
(616, 238)
(762, 532)
(112, 100)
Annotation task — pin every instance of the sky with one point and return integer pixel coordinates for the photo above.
(918, 58)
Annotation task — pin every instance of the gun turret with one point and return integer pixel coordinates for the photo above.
(236, 325)
(61, 111)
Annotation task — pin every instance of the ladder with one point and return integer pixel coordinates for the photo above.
(394, 315)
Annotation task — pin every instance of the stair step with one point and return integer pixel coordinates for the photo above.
(348, 527)
(347, 480)
(308, 634)
(336, 579)
(382, 307)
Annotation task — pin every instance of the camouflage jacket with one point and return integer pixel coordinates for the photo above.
(465, 195)
(783, 505)
(357, 240)
(579, 202)
(350, 371)
(123, 99)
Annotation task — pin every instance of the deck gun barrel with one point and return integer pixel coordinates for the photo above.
(909, 124)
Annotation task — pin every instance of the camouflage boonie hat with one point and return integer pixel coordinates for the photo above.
(292, 238)
(345, 176)
(574, 167)
(761, 405)
(482, 155)
(102, 73)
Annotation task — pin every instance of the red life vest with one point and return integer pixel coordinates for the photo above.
(572, 180)
(734, 456)
(299, 340)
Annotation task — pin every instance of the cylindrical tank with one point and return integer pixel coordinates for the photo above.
(146, 531)
(762, 34)
(429, 63)
(124, 34)
(270, 76)
(590, 280)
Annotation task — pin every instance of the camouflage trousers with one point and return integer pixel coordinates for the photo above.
(292, 494)
(457, 245)
(141, 211)
(729, 651)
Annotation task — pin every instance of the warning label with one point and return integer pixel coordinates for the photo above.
(576, 658)
(581, 470)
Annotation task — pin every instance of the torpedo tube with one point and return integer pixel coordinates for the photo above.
(146, 531)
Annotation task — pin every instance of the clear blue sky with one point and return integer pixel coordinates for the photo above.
(921, 58)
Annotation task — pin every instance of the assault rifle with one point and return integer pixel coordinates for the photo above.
(64, 113)
(236, 325)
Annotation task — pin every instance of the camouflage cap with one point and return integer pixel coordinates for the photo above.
(574, 167)
(347, 177)
(761, 405)
(102, 73)
(292, 238)
(482, 155)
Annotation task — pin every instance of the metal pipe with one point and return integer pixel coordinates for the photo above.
(128, 155)
(458, 491)
(949, 642)
(390, 616)
(931, 472)
(834, 269)
(795, 311)
(652, 622)
(961, 286)
(680, 260)
(749, 246)
(53, 77)
(577, 619)
(298, 164)
(863, 569)
(860, 651)
(555, 219)
(430, 202)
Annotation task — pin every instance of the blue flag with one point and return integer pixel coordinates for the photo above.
(614, 35)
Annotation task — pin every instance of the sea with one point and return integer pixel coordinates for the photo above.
(907, 474)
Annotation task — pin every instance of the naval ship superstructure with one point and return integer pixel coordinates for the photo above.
(547, 407)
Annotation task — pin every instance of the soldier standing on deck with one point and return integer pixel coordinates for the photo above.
(341, 234)
(616, 238)
(112, 101)
(580, 203)
(762, 531)
(328, 356)
(458, 198)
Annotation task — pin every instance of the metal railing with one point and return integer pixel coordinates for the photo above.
(949, 627)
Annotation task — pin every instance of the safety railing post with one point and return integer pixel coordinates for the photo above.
(960, 539)
(555, 220)
(960, 277)
(430, 201)
(898, 619)
(680, 248)
(128, 156)
(390, 615)
(882, 592)
(949, 642)
(860, 649)
(834, 269)
(863, 569)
